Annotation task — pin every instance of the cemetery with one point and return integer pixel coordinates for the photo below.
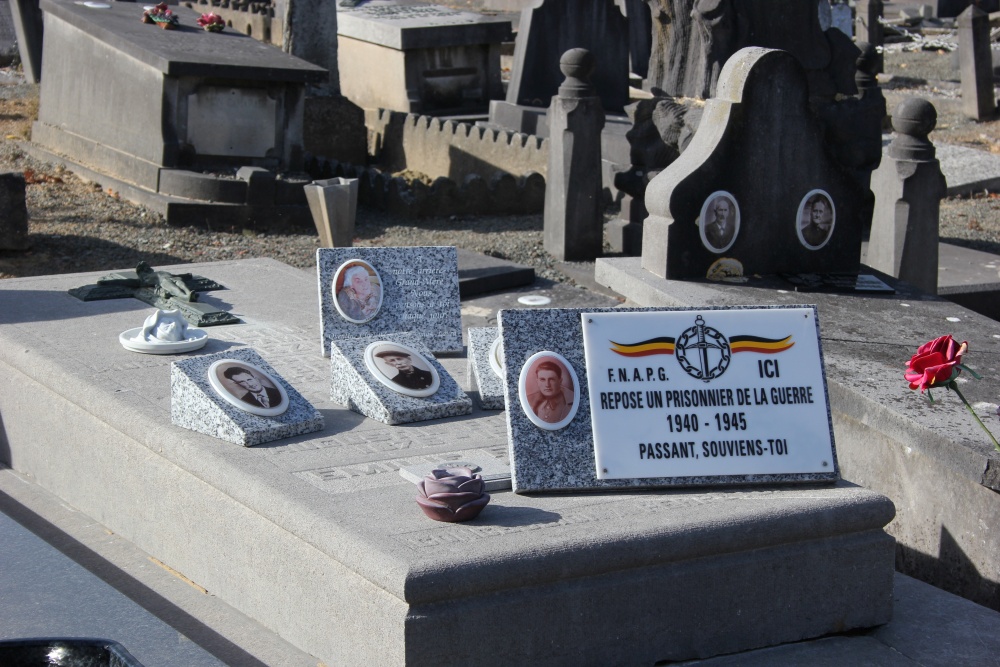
(640, 332)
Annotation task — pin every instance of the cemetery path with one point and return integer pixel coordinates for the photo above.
(78, 226)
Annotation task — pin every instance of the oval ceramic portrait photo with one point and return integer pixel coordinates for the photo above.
(720, 221)
(357, 291)
(816, 219)
(549, 390)
(496, 357)
(402, 369)
(247, 387)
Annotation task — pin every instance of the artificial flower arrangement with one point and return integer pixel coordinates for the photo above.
(212, 22)
(161, 16)
(938, 364)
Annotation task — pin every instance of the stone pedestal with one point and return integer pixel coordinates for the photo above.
(908, 188)
(625, 232)
(574, 223)
(334, 205)
(976, 64)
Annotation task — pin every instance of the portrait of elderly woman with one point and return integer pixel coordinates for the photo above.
(359, 291)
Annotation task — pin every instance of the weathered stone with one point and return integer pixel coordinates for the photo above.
(640, 35)
(13, 212)
(28, 28)
(868, 28)
(551, 27)
(976, 64)
(908, 189)
(334, 204)
(573, 216)
(309, 31)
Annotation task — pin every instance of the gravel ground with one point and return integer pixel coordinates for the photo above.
(76, 226)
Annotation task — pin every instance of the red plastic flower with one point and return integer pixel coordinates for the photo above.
(212, 22)
(935, 364)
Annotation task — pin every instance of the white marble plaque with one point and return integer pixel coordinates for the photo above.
(707, 393)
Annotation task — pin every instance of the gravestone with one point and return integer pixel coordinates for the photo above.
(28, 27)
(309, 32)
(364, 384)
(908, 188)
(867, 26)
(574, 219)
(13, 212)
(198, 100)
(755, 191)
(485, 367)
(550, 28)
(640, 36)
(428, 58)
(408, 289)
(205, 399)
(976, 64)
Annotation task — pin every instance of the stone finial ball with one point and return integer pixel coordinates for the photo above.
(577, 64)
(914, 116)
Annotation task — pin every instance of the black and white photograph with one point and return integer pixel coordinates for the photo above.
(402, 369)
(247, 387)
(357, 287)
(815, 220)
(549, 390)
(720, 221)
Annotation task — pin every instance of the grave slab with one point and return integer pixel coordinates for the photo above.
(931, 460)
(430, 58)
(649, 576)
(216, 99)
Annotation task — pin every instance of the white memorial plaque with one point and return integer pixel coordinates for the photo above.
(707, 393)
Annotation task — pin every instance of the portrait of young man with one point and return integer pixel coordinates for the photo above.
(552, 400)
(407, 374)
(256, 393)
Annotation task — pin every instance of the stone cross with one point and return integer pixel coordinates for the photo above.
(976, 64)
(908, 188)
(574, 223)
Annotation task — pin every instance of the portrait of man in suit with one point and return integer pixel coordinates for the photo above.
(720, 219)
(407, 374)
(549, 391)
(259, 392)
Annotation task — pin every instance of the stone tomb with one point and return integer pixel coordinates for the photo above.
(412, 289)
(756, 191)
(196, 100)
(356, 384)
(196, 404)
(563, 458)
(481, 368)
(318, 538)
(429, 59)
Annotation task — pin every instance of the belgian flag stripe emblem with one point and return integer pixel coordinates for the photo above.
(760, 345)
(646, 348)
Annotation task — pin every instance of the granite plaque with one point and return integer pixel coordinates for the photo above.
(692, 394)
(236, 396)
(486, 366)
(407, 289)
(564, 458)
(378, 389)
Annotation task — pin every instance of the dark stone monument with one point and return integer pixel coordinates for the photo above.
(28, 28)
(640, 35)
(309, 31)
(756, 191)
(13, 212)
(868, 28)
(161, 289)
(552, 27)
(574, 224)
(908, 188)
(976, 64)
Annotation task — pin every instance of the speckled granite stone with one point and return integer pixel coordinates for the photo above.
(563, 460)
(490, 385)
(351, 384)
(195, 405)
(419, 293)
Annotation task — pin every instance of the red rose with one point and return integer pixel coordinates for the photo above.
(935, 363)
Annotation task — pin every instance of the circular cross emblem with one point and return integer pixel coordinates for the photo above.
(702, 351)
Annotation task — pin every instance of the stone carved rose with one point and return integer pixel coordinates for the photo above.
(455, 494)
